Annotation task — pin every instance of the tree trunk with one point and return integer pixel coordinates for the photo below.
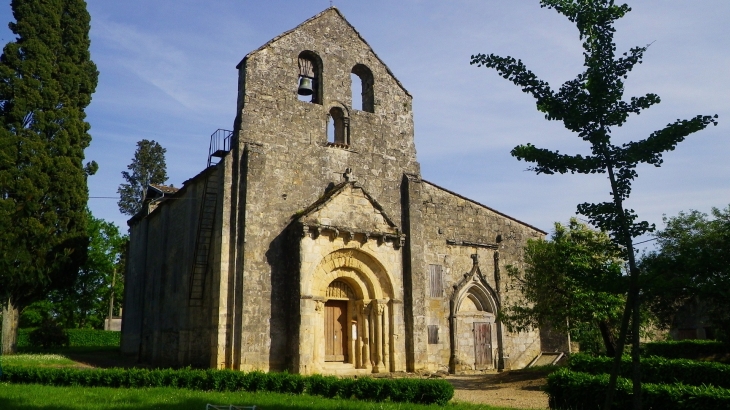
(631, 310)
(609, 341)
(11, 314)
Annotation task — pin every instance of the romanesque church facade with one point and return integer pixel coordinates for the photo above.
(299, 252)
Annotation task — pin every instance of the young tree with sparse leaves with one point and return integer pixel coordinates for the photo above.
(592, 105)
(46, 81)
(148, 167)
(570, 283)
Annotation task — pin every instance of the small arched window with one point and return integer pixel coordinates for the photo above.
(338, 127)
(362, 83)
(309, 81)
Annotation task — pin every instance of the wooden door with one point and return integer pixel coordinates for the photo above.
(482, 345)
(335, 331)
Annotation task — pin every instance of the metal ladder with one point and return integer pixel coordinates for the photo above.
(220, 145)
(204, 238)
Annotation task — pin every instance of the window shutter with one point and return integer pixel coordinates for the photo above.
(436, 282)
(433, 334)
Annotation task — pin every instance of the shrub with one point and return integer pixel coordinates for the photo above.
(48, 335)
(567, 389)
(93, 337)
(659, 370)
(77, 338)
(397, 390)
(685, 349)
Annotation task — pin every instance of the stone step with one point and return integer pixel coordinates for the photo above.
(343, 369)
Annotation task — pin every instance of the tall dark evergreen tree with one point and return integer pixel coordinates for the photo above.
(592, 105)
(148, 167)
(46, 81)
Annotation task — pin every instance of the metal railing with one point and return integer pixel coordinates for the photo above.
(220, 144)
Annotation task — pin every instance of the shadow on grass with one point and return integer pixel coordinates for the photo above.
(187, 404)
(500, 380)
(92, 356)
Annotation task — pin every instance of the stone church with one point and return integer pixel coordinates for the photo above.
(311, 243)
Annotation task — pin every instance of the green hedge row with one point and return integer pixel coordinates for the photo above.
(397, 390)
(656, 369)
(78, 337)
(685, 349)
(567, 389)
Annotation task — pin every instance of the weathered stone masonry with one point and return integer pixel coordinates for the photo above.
(321, 252)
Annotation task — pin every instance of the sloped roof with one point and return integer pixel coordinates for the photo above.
(318, 15)
(165, 189)
(484, 206)
(335, 191)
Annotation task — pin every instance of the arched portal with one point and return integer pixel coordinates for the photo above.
(474, 332)
(350, 318)
(474, 329)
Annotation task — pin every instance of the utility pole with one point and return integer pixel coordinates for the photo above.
(111, 300)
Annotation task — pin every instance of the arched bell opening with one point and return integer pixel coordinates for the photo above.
(362, 90)
(338, 127)
(309, 80)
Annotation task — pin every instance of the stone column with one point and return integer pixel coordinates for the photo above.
(365, 335)
(318, 357)
(357, 351)
(378, 317)
(386, 338)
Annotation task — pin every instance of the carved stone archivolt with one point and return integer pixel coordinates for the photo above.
(338, 289)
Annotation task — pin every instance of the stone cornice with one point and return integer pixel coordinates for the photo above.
(455, 242)
(314, 230)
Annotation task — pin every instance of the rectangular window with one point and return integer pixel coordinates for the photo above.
(436, 281)
(433, 334)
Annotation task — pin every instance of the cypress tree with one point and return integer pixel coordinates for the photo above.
(46, 81)
(147, 167)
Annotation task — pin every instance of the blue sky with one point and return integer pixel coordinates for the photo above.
(167, 72)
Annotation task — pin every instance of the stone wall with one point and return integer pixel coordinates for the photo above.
(446, 229)
(286, 164)
(267, 271)
(160, 325)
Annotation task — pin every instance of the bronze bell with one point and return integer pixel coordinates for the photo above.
(305, 86)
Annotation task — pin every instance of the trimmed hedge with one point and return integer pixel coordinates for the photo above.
(366, 388)
(567, 389)
(658, 369)
(685, 349)
(78, 337)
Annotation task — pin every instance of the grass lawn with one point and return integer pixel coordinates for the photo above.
(37, 397)
(75, 356)
(38, 360)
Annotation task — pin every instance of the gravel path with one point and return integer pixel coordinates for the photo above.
(516, 389)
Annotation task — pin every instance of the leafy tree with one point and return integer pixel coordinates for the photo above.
(692, 263)
(46, 81)
(86, 303)
(591, 105)
(148, 167)
(571, 282)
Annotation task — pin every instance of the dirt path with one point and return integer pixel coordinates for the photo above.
(517, 389)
